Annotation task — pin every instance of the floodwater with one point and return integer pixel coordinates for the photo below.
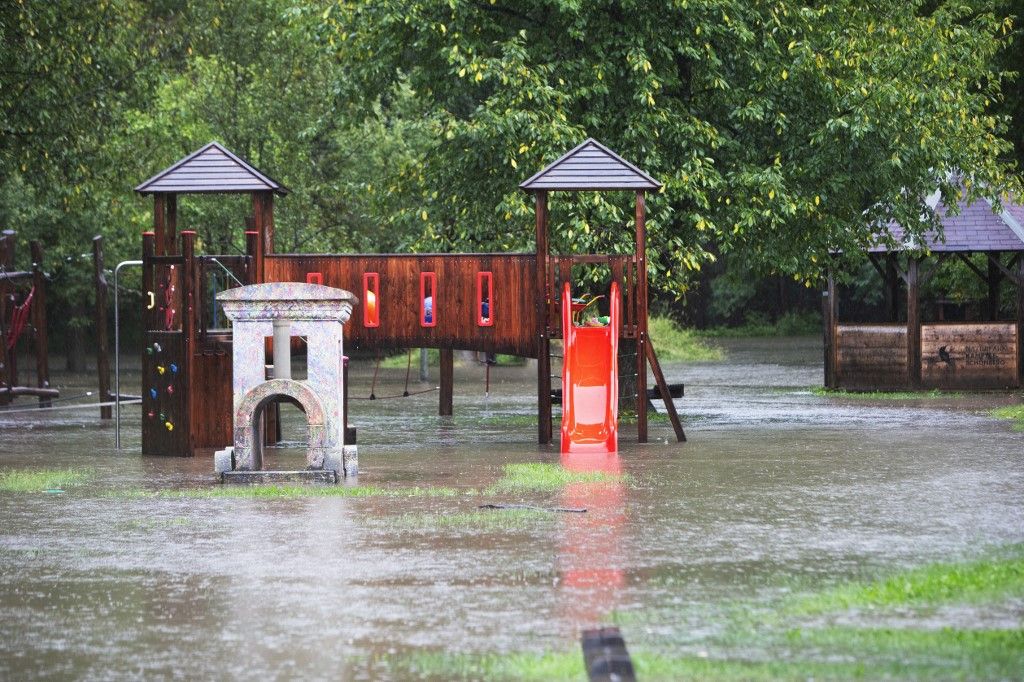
(776, 488)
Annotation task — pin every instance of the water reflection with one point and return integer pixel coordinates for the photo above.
(591, 556)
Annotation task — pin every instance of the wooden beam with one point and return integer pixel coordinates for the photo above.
(829, 319)
(913, 325)
(966, 258)
(541, 325)
(666, 395)
(1020, 320)
(447, 391)
(641, 318)
(993, 259)
(100, 320)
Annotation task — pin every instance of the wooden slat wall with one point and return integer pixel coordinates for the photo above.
(871, 357)
(969, 356)
(512, 307)
(211, 399)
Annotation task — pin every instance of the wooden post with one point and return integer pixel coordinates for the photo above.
(39, 321)
(666, 396)
(6, 256)
(829, 317)
(263, 225)
(541, 325)
(171, 224)
(913, 325)
(641, 318)
(102, 343)
(159, 224)
(1020, 320)
(188, 328)
(993, 280)
(447, 370)
(149, 315)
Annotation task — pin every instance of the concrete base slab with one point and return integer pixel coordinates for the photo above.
(260, 477)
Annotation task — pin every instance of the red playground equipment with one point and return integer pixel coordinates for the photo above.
(590, 380)
(491, 303)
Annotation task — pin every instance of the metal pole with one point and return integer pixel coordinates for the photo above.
(117, 355)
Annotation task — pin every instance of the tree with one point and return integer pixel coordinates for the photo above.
(785, 130)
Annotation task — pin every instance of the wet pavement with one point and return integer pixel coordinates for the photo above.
(777, 489)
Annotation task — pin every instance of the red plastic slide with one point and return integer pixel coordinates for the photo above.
(590, 381)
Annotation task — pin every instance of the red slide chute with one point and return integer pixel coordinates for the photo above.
(590, 380)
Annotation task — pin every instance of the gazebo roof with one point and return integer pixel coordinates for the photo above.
(977, 228)
(590, 165)
(209, 169)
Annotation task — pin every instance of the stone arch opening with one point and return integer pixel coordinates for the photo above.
(248, 440)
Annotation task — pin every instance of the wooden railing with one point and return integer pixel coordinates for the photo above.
(623, 271)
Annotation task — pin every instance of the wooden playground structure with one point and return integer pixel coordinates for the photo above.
(922, 351)
(485, 302)
(23, 320)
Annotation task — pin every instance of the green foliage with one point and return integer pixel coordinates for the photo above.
(271, 491)
(934, 394)
(40, 480)
(673, 343)
(780, 129)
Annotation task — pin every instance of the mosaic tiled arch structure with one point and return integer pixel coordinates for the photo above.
(248, 444)
(317, 313)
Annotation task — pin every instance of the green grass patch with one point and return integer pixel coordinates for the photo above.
(672, 342)
(1011, 412)
(995, 578)
(934, 394)
(294, 491)
(539, 477)
(478, 520)
(39, 480)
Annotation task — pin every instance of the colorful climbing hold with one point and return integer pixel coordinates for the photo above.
(150, 414)
(174, 368)
(157, 348)
(170, 389)
(163, 417)
(149, 350)
(161, 369)
(169, 425)
(152, 393)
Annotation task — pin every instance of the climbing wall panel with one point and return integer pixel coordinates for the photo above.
(164, 415)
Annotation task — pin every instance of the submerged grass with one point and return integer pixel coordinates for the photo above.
(1014, 413)
(294, 491)
(539, 477)
(672, 342)
(37, 480)
(754, 648)
(933, 394)
(479, 520)
(994, 578)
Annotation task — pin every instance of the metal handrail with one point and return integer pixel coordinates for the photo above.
(117, 355)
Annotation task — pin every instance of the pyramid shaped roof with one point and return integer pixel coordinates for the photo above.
(590, 165)
(211, 168)
(977, 228)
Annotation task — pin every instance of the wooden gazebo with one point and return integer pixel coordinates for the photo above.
(590, 166)
(932, 353)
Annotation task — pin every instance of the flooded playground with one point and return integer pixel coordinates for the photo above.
(701, 552)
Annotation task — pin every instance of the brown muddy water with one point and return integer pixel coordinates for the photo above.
(777, 488)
